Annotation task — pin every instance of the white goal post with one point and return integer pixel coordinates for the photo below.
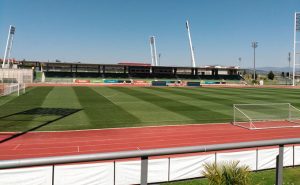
(13, 88)
(266, 116)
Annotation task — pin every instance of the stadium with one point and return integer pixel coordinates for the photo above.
(69, 123)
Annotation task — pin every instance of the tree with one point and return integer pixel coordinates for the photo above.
(282, 74)
(256, 76)
(230, 173)
(271, 75)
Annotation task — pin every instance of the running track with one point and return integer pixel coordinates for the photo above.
(43, 144)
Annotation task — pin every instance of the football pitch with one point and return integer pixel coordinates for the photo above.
(77, 108)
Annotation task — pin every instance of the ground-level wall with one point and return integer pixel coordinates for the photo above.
(16, 75)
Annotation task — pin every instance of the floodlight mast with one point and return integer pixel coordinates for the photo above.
(152, 57)
(191, 45)
(296, 28)
(159, 56)
(153, 51)
(8, 47)
(254, 45)
(289, 59)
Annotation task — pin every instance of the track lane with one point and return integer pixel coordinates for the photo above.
(42, 144)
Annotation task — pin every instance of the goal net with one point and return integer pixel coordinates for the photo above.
(7, 89)
(265, 116)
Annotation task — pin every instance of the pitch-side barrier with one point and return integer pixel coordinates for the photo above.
(58, 174)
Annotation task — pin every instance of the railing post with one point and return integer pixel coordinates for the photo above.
(279, 166)
(293, 156)
(144, 170)
(169, 166)
(114, 172)
(256, 160)
(53, 174)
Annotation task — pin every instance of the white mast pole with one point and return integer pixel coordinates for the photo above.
(9, 51)
(155, 53)
(8, 45)
(294, 58)
(152, 57)
(6, 48)
(191, 45)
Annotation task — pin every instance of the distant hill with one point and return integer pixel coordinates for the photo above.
(266, 70)
(274, 69)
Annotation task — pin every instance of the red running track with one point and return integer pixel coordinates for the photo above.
(43, 144)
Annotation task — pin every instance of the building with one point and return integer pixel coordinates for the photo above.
(131, 70)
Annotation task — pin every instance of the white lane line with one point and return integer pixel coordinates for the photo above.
(15, 148)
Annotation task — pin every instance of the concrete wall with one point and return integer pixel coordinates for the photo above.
(16, 75)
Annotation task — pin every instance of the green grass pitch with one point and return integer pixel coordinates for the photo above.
(112, 107)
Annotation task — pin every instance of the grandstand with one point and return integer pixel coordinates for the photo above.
(131, 70)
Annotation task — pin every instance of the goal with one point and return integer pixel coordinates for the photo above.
(7, 89)
(266, 116)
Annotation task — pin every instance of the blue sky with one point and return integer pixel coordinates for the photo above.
(112, 31)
